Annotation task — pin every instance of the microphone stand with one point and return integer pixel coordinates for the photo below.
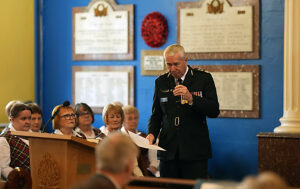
(45, 125)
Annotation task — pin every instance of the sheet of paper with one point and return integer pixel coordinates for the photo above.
(143, 142)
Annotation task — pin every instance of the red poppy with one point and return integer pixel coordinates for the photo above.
(155, 29)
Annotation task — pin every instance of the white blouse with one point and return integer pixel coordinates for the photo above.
(5, 169)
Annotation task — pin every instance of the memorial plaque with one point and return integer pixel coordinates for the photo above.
(234, 90)
(152, 62)
(237, 89)
(103, 31)
(101, 85)
(219, 29)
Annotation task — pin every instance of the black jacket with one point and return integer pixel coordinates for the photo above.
(95, 182)
(190, 137)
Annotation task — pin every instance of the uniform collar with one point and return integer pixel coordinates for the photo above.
(186, 71)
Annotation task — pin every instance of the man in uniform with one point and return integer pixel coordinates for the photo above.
(183, 98)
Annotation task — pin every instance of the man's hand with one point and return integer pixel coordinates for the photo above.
(150, 137)
(184, 92)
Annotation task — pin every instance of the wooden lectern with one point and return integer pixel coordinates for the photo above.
(59, 161)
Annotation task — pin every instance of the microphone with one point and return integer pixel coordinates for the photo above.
(99, 134)
(65, 104)
(179, 82)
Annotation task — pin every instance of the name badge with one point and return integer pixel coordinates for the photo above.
(165, 99)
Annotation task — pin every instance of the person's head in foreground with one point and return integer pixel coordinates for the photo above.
(265, 180)
(115, 157)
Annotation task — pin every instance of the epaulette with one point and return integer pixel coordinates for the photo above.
(202, 70)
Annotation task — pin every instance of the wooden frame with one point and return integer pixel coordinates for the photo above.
(255, 69)
(118, 69)
(152, 53)
(126, 56)
(226, 55)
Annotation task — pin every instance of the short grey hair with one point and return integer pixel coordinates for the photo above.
(114, 153)
(171, 50)
(129, 109)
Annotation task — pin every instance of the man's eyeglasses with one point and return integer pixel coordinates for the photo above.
(68, 116)
(83, 114)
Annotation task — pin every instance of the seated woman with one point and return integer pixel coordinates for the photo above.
(36, 117)
(14, 151)
(64, 120)
(113, 118)
(85, 118)
(147, 160)
(8, 107)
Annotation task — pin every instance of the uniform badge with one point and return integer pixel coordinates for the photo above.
(198, 93)
(165, 99)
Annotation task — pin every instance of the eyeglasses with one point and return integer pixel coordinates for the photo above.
(68, 116)
(83, 114)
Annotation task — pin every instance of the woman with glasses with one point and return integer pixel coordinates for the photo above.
(85, 118)
(64, 121)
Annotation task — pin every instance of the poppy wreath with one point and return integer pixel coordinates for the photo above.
(155, 29)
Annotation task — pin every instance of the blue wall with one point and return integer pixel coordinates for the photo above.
(234, 141)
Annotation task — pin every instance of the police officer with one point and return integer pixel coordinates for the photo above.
(183, 98)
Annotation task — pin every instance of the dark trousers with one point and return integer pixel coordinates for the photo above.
(183, 169)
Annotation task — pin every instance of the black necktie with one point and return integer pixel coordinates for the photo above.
(179, 81)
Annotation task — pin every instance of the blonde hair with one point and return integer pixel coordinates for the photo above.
(9, 105)
(109, 108)
(265, 180)
(270, 180)
(57, 118)
(174, 49)
(114, 153)
(131, 110)
(118, 103)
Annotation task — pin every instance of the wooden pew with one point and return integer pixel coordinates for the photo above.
(160, 183)
(2, 184)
